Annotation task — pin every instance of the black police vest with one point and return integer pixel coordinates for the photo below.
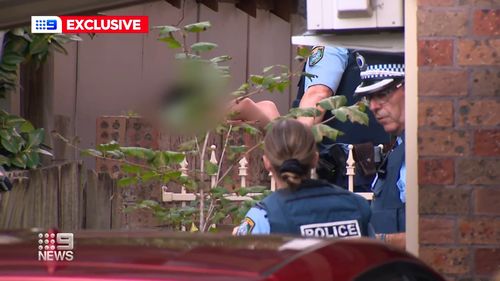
(317, 209)
(388, 212)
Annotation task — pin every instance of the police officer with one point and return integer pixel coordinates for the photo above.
(337, 72)
(302, 206)
(383, 86)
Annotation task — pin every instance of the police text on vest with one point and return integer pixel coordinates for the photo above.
(338, 229)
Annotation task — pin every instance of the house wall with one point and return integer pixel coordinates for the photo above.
(114, 73)
(459, 136)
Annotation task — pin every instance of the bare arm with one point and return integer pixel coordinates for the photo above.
(394, 239)
(311, 97)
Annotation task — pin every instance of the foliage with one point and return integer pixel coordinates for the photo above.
(194, 99)
(21, 46)
(20, 142)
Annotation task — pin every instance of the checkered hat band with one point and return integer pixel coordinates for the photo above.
(383, 71)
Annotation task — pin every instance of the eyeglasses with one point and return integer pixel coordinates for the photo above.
(382, 97)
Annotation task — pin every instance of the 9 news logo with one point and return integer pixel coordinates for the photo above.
(55, 247)
(46, 24)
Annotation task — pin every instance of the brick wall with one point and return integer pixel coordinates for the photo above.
(459, 136)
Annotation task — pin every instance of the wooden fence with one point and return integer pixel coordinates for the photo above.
(65, 196)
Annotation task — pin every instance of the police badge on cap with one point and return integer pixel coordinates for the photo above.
(386, 70)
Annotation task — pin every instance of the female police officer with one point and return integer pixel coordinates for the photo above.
(302, 206)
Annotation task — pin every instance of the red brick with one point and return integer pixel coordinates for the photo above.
(435, 230)
(435, 52)
(479, 231)
(443, 200)
(486, 82)
(480, 3)
(486, 22)
(486, 201)
(435, 113)
(478, 52)
(478, 171)
(446, 260)
(442, 143)
(442, 83)
(433, 22)
(486, 261)
(484, 112)
(432, 3)
(436, 171)
(487, 143)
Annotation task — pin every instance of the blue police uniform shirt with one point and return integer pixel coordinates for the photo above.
(328, 69)
(401, 183)
(255, 222)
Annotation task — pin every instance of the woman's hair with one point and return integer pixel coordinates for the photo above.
(291, 149)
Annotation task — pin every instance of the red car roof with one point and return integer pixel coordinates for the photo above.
(185, 256)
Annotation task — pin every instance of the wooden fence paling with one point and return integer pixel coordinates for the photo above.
(69, 192)
(51, 198)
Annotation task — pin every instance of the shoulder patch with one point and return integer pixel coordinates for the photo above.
(316, 55)
(245, 227)
(339, 229)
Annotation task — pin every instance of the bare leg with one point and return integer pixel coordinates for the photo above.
(262, 112)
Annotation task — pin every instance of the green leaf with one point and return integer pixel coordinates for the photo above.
(303, 112)
(43, 151)
(171, 175)
(340, 114)
(197, 27)
(4, 161)
(203, 46)
(91, 152)
(282, 86)
(238, 148)
(115, 154)
(211, 168)
(332, 102)
(165, 158)
(249, 129)
(18, 31)
(304, 52)
(14, 121)
(257, 79)
(139, 152)
(11, 145)
(8, 67)
(183, 56)
(131, 169)
(172, 43)
(19, 160)
(322, 130)
(12, 59)
(35, 138)
(268, 68)
(127, 181)
(33, 159)
(112, 145)
(354, 114)
(150, 175)
(166, 29)
(26, 127)
(4, 134)
(39, 45)
(220, 59)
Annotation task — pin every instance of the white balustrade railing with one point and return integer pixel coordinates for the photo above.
(185, 196)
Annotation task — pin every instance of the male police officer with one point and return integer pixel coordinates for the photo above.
(383, 86)
(337, 72)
